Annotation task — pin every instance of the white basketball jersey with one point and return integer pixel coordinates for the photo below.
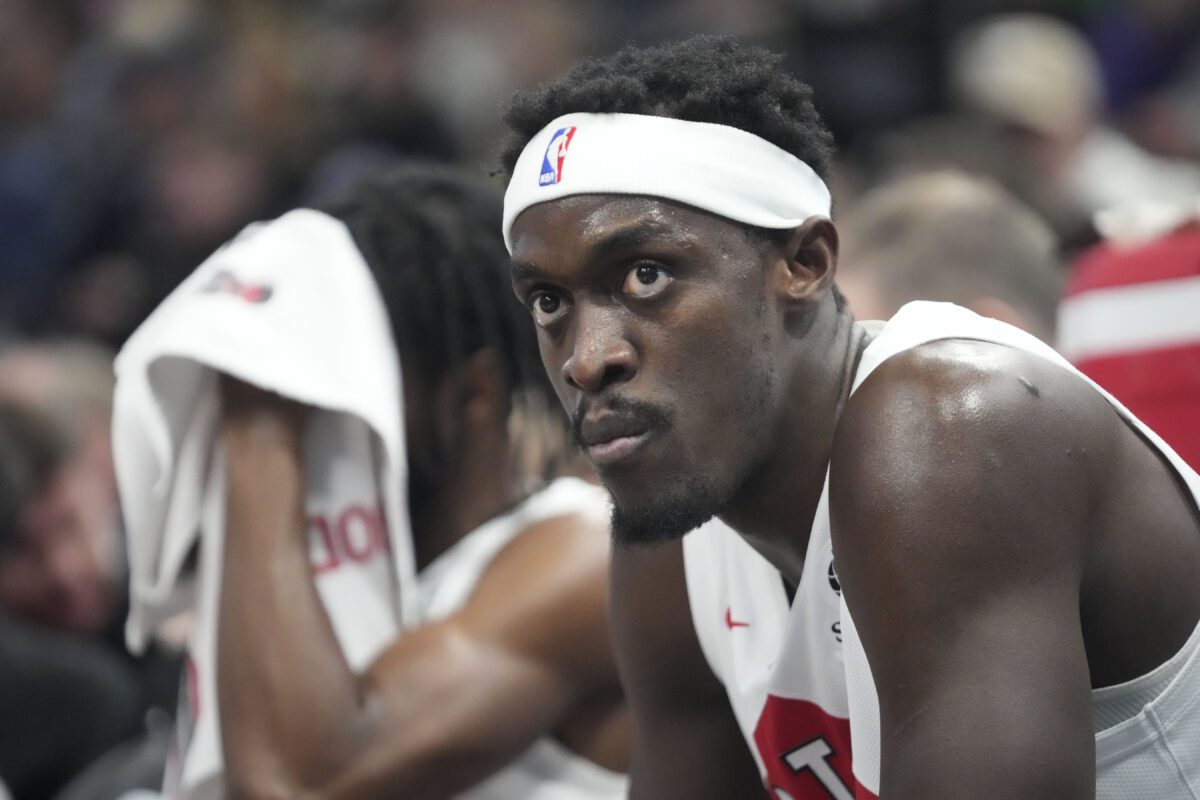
(349, 555)
(547, 770)
(798, 678)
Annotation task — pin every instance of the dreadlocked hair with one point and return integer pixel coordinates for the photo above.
(702, 79)
(431, 237)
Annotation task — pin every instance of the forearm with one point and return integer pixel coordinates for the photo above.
(292, 711)
(438, 709)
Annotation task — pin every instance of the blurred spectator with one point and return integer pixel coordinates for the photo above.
(952, 142)
(63, 699)
(471, 56)
(70, 567)
(1149, 52)
(58, 521)
(1038, 79)
(872, 63)
(1131, 318)
(949, 237)
(40, 173)
(136, 135)
(72, 382)
(64, 702)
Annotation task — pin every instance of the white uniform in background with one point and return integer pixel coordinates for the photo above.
(347, 547)
(547, 770)
(798, 678)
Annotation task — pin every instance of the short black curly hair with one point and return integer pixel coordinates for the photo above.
(702, 79)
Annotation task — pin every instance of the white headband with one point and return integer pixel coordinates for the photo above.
(720, 169)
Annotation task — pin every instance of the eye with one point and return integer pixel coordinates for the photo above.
(547, 307)
(646, 280)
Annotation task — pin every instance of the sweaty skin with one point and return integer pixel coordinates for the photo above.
(446, 704)
(1003, 550)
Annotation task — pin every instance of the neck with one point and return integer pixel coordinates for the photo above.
(774, 509)
(481, 484)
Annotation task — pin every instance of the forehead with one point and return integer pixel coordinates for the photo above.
(576, 227)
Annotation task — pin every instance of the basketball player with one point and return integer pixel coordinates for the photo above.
(509, 686)
(1017, 554)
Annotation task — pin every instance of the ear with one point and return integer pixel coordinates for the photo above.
(810, 260)
(482, 388)
(470, 400)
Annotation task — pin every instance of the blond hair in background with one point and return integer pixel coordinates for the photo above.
(950, 237)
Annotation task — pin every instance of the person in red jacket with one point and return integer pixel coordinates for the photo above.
(1130, 320)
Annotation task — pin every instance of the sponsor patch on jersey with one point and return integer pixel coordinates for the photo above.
(555, 156)
(834, 583)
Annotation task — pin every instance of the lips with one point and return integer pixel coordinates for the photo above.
(610, 438)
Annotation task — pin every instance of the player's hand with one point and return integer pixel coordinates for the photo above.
(248, 412)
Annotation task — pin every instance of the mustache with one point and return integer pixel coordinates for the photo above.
(647, 415)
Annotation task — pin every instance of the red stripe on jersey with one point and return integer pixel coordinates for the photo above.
(806, 752)
(1175, 255)
(1162, 389)
(191, 685)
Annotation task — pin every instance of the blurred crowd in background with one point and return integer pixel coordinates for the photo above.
(138, 135)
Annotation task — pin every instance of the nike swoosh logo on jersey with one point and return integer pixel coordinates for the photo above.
(730, 623)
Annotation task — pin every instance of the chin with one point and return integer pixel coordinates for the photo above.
(666, 517)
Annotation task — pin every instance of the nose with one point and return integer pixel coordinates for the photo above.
(602, 356)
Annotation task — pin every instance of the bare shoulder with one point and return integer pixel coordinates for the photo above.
(962, 483)
(972, 441)
(561, 549)
(545, 595)
(956, 410)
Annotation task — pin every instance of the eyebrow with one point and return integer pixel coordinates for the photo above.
(524, 271)
(627, 238)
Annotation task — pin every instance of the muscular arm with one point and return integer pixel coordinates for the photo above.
(687, 745)
(436, 712)
(961, 486)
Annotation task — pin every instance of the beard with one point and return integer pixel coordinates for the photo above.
(692, 495)
(693, 503)
(697, 496)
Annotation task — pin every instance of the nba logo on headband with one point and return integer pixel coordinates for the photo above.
(726, 171)
(556, 154)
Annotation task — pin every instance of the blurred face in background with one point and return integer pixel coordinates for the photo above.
(58, 567)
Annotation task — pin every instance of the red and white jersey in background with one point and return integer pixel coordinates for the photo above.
(1130, 320)
(798, 679)
(349, 552)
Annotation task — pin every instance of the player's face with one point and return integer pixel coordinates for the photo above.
(656, 328)
(57, 571)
